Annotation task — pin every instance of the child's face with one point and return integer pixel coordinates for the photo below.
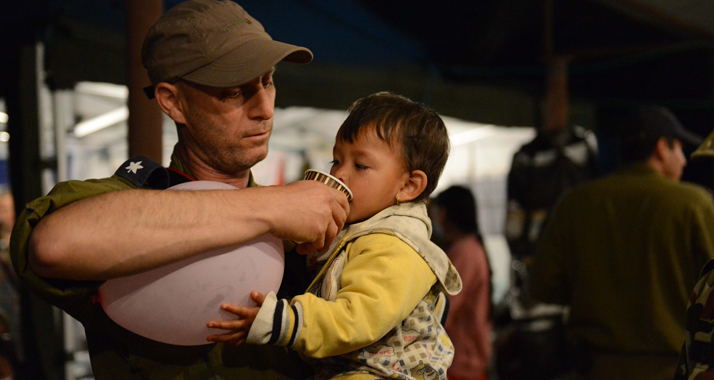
(372, 170)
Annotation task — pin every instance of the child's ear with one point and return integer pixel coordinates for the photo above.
(415, 185)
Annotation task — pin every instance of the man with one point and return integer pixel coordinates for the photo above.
(211, 68)
(696, 360)
(624, 252)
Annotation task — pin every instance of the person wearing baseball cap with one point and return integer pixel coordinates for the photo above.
(646, 127)
(211, 69)
(624, 251)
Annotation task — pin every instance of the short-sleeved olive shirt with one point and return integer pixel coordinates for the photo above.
(117, 353)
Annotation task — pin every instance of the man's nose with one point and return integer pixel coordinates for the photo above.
(261, 104)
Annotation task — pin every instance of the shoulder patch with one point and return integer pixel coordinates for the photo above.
(142, 171)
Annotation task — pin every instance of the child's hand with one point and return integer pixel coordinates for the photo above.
(238, 327)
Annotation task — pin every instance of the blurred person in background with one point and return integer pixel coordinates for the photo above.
(10, 341)
(696, 359)
(529, 334)
(468, 321)
(624, 252)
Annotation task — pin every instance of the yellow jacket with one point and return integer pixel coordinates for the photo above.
(375, 305)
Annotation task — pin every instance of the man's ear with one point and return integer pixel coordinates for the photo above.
(662, 149)
(415, 185)
(169, 98)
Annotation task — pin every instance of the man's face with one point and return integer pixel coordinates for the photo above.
(228, 128)
(675, 161)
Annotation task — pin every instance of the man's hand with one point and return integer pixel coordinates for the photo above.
(310, 213)
(238, 328)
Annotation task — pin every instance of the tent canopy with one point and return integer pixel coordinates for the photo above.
(479, 60)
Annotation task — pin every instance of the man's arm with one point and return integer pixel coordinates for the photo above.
(131, 231)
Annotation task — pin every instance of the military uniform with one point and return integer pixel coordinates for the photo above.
(696, 361)
(117, 353)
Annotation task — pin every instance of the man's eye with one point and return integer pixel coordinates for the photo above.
(267, 84)
(232, 94)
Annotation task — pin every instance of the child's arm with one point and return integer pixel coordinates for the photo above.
(382, 282)
(238, 328)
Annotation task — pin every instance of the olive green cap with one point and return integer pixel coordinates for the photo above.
(213, 43)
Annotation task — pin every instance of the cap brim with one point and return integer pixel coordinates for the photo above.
(706, 148)
(689, 138)
(247, 62)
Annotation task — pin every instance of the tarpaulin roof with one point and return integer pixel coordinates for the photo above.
(633, 50)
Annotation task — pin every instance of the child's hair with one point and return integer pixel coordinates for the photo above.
(417, 128)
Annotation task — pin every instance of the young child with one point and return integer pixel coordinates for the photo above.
(374, 309)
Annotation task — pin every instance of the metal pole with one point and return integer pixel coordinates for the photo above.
(63, 119)
(556, 81)
(145, 116)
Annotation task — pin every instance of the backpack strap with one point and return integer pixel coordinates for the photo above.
(176, 177)
(143, 172)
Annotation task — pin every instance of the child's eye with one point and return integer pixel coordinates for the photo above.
(361, 167)
(334, 162)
